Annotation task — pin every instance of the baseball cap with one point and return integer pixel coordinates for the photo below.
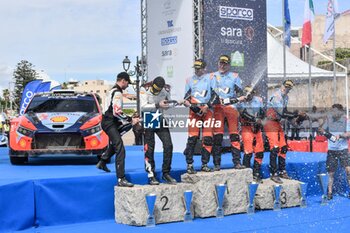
(225, 59)
(158, 83)
(288, 84)
(125, 76)
(248, 89)
(199, 64)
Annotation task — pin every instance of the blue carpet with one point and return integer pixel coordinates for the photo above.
(334, 217)
(50, 193)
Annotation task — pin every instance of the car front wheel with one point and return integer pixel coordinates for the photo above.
(15, 159)
(18, 160)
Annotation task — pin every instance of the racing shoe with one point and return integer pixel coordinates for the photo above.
(257, 179)
(205, 168)
(284, 175)
(123, 182)
(216, 168)
(102, 165)
(238, 166)
(276, 179)
(153, 181)
(329, 196)
(190, 169)
(168, 179)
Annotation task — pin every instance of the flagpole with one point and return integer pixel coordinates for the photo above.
(284, 39)
(346, 93)
(310, 81)
(334, 71)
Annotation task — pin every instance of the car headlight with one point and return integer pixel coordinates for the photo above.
(93, 130)
(25, 131)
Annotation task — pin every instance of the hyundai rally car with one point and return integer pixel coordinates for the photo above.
(58, 122)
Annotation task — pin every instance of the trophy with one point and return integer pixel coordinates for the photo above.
(277, 203)
(188, 217)
(324, 183)
(150, 201)
(220, 193)
(303, 189)
(252, 187)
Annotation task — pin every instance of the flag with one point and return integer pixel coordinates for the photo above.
(34, 87)
(43, 87)
(286, 24)
(309, 14)
(28, 93)
(55, 85)
(331, 14)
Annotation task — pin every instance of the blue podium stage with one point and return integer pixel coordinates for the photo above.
(60, 195)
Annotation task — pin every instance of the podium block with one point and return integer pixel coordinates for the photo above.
(289, 196)
(204, 194)
(131, 208)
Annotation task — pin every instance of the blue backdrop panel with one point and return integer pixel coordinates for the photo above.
(237, 28)
(62, 201)
(16, 206)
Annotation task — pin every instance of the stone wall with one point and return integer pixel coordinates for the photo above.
(322, 94)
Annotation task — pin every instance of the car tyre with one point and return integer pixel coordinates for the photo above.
(18, 160)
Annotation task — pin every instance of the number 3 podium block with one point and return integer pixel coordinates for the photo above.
(204, 194)
(131, 208)
(289, 196)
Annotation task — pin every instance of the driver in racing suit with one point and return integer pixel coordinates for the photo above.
(252, 113)
(200, 96)
(229, 90)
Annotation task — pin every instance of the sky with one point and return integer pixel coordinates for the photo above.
(88, 39)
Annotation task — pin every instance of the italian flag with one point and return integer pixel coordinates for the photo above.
(309, 14)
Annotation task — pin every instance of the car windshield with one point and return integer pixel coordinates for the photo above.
(41, 104)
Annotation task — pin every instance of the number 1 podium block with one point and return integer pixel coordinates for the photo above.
(131, 208)
(204, 194)
(289, 195)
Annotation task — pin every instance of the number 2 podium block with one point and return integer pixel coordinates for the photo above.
(131, 208)
(204, 194)
(289, 196)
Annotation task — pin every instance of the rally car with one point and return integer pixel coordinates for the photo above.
(58, 122)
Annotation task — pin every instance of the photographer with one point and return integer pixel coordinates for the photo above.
(338, 134)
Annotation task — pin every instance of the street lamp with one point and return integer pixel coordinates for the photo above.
(138, 72)
(126, 64)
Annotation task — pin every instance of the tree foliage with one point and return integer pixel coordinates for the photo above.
(341, 54)
(23, 74)
(6, 94)
(5, 99)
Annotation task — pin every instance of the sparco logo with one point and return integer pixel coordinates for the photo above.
(29, 96)
(169, 40)
(227, 12)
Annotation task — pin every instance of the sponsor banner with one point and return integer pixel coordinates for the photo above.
(28, 93)
(170, 51)
(170, 42)
(34, 87)
(237, 28)
(44, 87)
